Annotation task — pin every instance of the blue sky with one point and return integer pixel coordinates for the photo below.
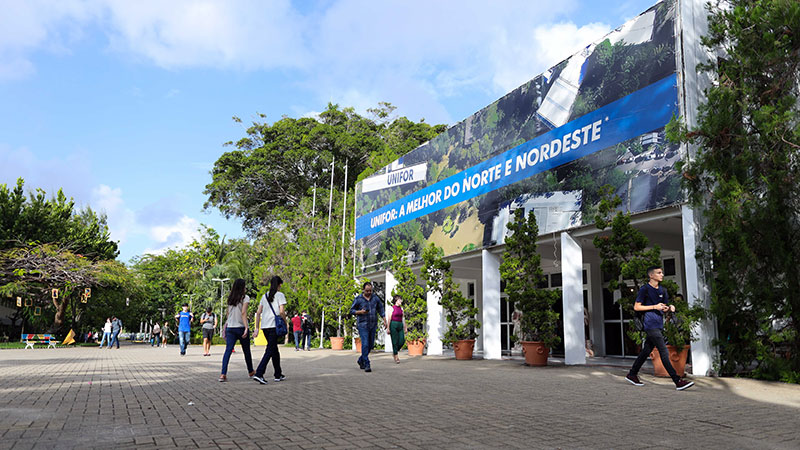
(126, 105)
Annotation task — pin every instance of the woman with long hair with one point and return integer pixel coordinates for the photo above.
(271, 305)
(236, 328)
(397, 326)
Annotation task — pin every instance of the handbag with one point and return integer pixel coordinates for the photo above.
(280, 325)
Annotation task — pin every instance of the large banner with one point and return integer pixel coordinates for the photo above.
(549, 146)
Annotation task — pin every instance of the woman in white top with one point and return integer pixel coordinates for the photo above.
(236, 328)
(106, 332)
(271, 305)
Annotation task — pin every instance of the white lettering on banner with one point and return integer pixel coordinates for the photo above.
(525, 160)
(398, 177)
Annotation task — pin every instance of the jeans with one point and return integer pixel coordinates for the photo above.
(231, 336)
(106, 339)
(298, 338)
(398, 336)
(367, 335)
(306, 340)
(114, 339)
(183, 336)
(270, 353)
(655, 338)
(156, 340)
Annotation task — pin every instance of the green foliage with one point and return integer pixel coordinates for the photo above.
(460, 313)
(415, 304)
(744, 181)
(679, 332)
(522, 271)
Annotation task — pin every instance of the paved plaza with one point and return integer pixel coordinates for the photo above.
(140, 397)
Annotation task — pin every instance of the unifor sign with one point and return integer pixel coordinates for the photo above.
(550, 146)
(642, 111)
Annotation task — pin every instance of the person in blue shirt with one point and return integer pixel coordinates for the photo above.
(653, 301)
(184, 319)
(367, 307)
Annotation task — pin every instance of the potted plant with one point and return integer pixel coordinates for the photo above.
(678, 332)
(416, 308)
(460, 312)
(522, 272)
(344, 290)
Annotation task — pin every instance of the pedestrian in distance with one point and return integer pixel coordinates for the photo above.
(297, 330)
(272, 305)
(397, 327)
(209, 322)
(308, 331)
(184, 319)
(367, 307)
(106, 333)
(156, 336)
(653, 301)
(237, 328)
(116, 328)
(166, 333)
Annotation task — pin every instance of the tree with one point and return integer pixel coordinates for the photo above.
(744, 180)
(460, 312)
(416, 307)
(521, 270)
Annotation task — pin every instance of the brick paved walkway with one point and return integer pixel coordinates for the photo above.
(138, 397)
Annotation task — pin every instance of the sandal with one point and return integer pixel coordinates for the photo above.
(223, 378)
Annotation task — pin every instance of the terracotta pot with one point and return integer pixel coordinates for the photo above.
(358, 345)
(415, 348)
(464, 348)
(536, 353)
(337, 343)
(676, 358)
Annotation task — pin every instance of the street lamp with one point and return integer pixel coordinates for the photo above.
(221, 301)
(191, 297)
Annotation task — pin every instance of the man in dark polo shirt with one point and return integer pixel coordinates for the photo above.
(653, 301)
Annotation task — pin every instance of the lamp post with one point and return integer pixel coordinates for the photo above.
(191, 299)
(221, 301)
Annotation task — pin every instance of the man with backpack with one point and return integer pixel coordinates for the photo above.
(652, 301)
(308, 331)
(209, 322)
(116, 328)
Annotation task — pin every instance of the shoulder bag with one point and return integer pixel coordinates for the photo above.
(280, 325)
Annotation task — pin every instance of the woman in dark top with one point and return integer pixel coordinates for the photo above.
(397, 326)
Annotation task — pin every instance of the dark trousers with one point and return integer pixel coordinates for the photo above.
(298, 340)
(367, 335)
(270, 353)
(231, 336)
(655, 338)
(114, 339)
(306, 340)
(398, 337)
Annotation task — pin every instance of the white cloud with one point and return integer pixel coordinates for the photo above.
(47, 174)
(175, 235)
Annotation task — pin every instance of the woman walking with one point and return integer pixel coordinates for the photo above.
(397, 326)
(166, 332)
(271, 305)
(236, 328)
(106, 332)
(156, 336)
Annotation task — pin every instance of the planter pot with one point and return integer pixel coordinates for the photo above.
(676, 358)
(464, 349)
(337, 343)
(415, 348)
(357, 345)
(536, 353)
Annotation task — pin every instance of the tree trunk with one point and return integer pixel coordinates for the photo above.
(61, 310)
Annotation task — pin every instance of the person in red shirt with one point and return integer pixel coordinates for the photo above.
(297, 329)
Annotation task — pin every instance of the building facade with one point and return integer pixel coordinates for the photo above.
(597, 118)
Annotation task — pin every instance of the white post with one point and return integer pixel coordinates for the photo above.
(703, 351)
(330, 199)
(572, 300)
(490, 321)
(391, 282)
(344, 216)
(434, 324)
(321, 331)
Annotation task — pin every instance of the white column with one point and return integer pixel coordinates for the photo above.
(390, 284)
(703, 351)
(435, 329)
(490, 321)
(572, 290)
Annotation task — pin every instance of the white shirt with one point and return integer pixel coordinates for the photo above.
(267, 318)
(235, 314)
(107, 327)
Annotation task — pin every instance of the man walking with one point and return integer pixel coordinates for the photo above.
(653, 300)
(209, 321)
(297, 330)
(367, 307)
(308, 331)
(116, 328)
(184, 319)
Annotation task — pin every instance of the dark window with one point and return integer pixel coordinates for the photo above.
(504, 311)
(502, 285)
(471, 289)
(555, 280)
(669, 267)
(606, 277)
(610, 308)
(585, 278)
(613, 339)
(543, 284)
